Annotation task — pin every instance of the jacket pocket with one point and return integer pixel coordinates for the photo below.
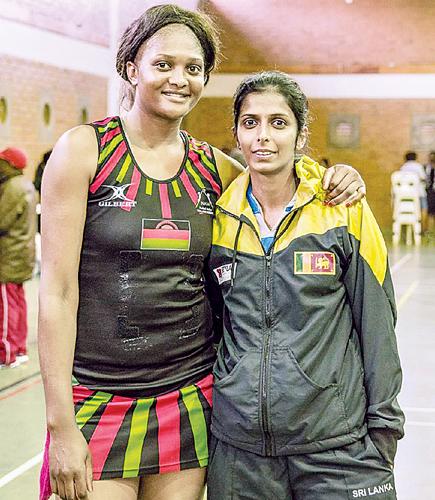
(235, 401)
(302, 410)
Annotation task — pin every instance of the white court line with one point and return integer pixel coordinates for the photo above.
(419, 424)
(38, 458)
(422, 410)
(10, 476)
(411, 289)
(400, 263)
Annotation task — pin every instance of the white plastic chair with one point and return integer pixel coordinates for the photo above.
(405, 188)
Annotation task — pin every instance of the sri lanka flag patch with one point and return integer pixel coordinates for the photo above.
(314, 263)
(165, 234)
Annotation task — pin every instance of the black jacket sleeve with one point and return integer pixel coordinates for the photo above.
(370, 291)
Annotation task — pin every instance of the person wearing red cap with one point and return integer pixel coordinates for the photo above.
(17, 254)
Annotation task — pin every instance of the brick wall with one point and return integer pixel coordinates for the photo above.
(326, 35)
(86, 20)
(27, 86)
(385, 127)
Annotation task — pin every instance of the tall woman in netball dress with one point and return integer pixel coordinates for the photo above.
(126, 226)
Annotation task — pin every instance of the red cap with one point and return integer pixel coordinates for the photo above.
(14, 157)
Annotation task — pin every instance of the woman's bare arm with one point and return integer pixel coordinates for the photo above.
(64, 196)
(228, 167)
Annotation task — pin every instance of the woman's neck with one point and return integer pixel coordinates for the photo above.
(274, 193)
(149, 132)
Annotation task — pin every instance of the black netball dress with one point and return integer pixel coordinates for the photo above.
(144, 351)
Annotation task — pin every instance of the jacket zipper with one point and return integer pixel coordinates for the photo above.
(266, 346)
(268, 321)
(267, 336)
(265, 360)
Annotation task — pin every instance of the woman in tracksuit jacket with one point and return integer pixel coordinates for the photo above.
(304, 402)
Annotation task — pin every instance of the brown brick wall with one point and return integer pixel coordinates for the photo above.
(27, 86)
(86, 20)
(326, 35)
(385, 136)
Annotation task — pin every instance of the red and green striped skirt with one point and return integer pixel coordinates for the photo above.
(130, 437)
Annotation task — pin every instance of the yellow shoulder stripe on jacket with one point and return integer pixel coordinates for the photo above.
(363, 225)
(224, 235)
(315, 218)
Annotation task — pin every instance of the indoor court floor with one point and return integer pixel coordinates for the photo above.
(413, 270)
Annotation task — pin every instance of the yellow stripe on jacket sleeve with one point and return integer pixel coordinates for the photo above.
(363, 226)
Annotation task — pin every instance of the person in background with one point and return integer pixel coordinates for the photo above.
(17, 254)
(125, 333)
(37, 182)
(40, 170)
(430, 176)
(307, 374)
(413, 166)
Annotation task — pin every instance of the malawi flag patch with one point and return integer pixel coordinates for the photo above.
(165, 234)
(314, 263)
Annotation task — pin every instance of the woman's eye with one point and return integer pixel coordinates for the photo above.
(249, 123)
(279, 123)
(162, 65)
(194, 69)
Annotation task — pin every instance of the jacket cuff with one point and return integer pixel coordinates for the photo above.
(385, 441)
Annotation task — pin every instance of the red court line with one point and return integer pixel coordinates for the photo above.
(20, 389)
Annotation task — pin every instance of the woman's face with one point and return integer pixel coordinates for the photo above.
(267, 133)
(168, 73)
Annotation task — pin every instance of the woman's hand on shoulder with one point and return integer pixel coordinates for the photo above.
(343, 184)
(228, 167)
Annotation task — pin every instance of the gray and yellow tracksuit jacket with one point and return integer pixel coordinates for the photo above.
(308, 359)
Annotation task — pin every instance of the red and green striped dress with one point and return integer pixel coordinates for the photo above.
(144, 350)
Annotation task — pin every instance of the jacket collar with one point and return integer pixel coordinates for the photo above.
(308, 171)
(8, 173)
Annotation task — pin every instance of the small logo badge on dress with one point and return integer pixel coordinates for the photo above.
(314, 263)
(118, 193)
(205, 204)
(223, 273)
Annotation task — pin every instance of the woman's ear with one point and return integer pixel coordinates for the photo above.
(132, 71)
(302, 138)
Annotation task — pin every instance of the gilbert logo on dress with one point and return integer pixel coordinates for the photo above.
(314, 263)
(165, 234)
(118, 193)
